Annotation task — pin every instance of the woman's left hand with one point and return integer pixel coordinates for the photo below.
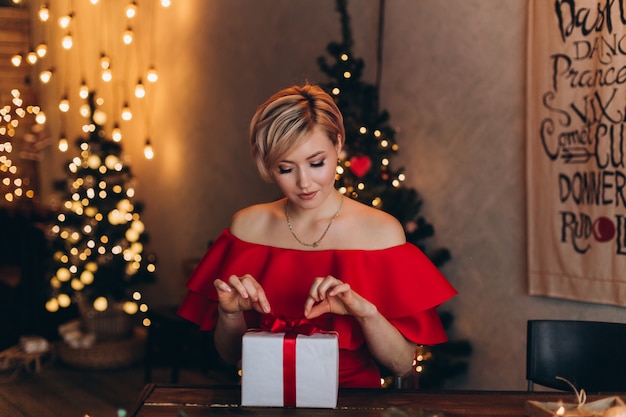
(330, 295)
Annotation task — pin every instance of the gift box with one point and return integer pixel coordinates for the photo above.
(287, 369)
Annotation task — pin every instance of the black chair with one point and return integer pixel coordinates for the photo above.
(589, 354)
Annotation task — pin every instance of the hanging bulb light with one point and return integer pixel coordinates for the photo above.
(131, 10)
(116, 133)
(84, 110)
(128, 36)
(46, 75)
(64, 104)
(44, 12)
(16, 60)
(152, 75)
(40, 118)
(63, 144)
(148, 152)
(105, 61)
(67, 41)
(140, 91)
(107, 75)
(166, 3)
(32, 58)
(99, 117)
(42, 50)
(127, 113)
(64, 21)
(83, 91)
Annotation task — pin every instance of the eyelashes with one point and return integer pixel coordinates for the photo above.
(319, 164)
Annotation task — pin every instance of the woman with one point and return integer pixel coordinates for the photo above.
(315, 253)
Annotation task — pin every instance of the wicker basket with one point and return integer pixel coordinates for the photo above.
(112, 324)
(113, 354)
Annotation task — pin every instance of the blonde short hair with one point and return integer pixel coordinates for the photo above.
(286, 118)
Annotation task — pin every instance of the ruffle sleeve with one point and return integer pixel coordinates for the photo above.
(401, 281)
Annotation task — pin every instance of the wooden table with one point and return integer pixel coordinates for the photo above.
(173, 401)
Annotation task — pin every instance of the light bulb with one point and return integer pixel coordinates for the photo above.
(147, 150)
(99, 117)
(105, 61)
(41, 50)
(64, 104)
(140, 91)
(45, 76)
(127, 36)
(166, 3)
(131, 10)
(152, 75)
(116, 133)
(67, 41)
(32, 58)
(40, 118)
(44, 12)
(83, 91)
(127, 113)
(107, 75)
(100, 304)
(63, 145)
(16, 60)
(64, 21)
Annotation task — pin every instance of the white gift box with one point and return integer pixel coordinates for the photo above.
(316, 370)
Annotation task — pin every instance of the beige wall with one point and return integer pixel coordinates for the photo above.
(453, 82)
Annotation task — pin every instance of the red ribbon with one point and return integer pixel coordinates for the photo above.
(292, 328)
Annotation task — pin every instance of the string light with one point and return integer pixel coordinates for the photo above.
(64, 21)
(64, 104)
(63, 143)
(46, 75)
(116, 133)
(41, 50)
(83, 91)
(147, 150)
(107, 75)
(131, 10)
(128, 36)
(105, 61)
(140, 91)
(67, 41)
(31, 58)
(44, 12)
(152, 75)
(67, 23)
(16, 60)
(127, 113)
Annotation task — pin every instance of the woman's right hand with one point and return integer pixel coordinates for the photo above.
(241, 294)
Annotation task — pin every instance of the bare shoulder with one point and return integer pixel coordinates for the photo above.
(372, 228)
(253, 222)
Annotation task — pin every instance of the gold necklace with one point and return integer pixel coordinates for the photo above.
(317, 242)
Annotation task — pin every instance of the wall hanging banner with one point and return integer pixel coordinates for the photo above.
(576, 150)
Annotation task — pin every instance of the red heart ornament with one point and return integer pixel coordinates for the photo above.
(359, 165)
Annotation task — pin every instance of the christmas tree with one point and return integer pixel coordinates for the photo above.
(97, 242)
(365, 173)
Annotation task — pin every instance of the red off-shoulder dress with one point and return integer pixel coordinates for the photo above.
(401, 281)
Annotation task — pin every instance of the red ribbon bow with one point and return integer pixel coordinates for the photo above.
(280, 324)
(292, 328)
